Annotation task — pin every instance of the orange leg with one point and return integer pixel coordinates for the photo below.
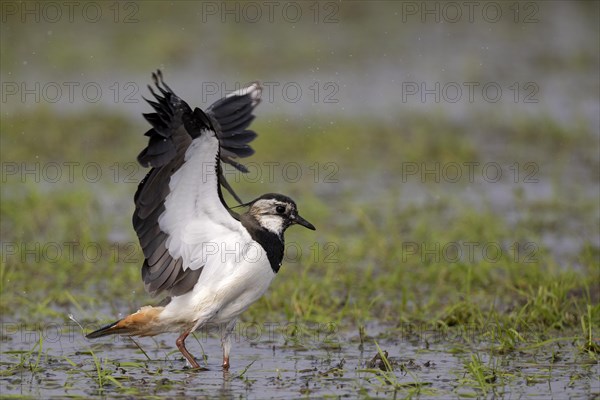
(226, 363)
(181, 346)
(226, 331)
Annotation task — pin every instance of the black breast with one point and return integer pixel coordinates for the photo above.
(271, 242)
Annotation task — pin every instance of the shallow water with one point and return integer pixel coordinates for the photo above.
(367, 72)
(269, 363)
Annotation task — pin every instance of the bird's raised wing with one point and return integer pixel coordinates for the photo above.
(180, 214)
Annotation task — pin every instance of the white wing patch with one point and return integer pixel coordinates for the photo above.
(194, 217)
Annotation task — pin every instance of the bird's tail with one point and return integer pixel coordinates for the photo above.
(144, 322)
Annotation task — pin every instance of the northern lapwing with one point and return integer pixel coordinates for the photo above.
(211, 262)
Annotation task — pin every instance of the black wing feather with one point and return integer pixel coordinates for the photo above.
(174, 126)
(242, 113)
(231, 115)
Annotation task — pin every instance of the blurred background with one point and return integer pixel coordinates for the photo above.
(427, 141)
(372, 111)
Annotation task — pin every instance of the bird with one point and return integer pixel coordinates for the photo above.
(210, 261)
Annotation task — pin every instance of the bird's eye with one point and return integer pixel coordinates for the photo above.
(280, 209)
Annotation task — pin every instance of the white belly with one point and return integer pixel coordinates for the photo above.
(229, 283)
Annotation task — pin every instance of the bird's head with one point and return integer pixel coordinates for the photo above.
(276, 212)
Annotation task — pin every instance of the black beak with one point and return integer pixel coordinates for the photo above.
(301, 221)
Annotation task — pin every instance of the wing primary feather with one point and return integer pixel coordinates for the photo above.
(174, 127)
(230, 116)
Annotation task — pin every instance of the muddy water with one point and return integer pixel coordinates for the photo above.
(279, 365)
